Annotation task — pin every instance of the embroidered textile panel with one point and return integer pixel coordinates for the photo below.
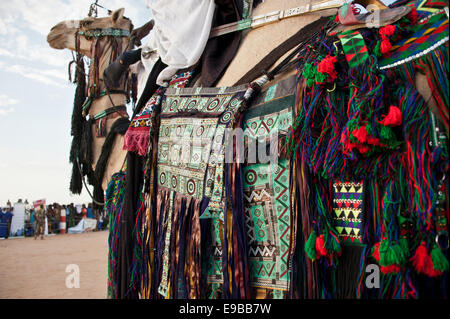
(266, 192)
(347, 211)
(266, 196)
(191, 142)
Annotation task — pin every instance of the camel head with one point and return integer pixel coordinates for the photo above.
(63, 35)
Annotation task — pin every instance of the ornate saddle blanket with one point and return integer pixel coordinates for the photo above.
(190, 176)
(266, 195)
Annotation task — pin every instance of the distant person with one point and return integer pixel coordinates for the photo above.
(40, 222)
(5, 222)
(84, 211)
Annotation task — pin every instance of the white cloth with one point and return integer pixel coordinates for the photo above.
(142, 69)
(180, 33)
(79, 228)
(83, 225)
(18, 220)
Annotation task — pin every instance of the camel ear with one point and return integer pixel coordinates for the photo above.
(117, 15)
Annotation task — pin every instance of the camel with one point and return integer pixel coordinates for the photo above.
(62, 36)
(255, 45)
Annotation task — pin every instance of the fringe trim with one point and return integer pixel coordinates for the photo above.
(136, 141)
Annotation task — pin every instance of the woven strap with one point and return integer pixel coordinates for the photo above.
(89, 100)
(261, 20)
(354, 47)
(108, 111)
(97, 33)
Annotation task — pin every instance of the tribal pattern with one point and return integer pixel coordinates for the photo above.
(138, 134)
(190, 147)
(267, 204)
(347, 211)
(428, 35)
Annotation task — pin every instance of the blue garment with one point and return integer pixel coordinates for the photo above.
(90, 213)
(5, 217)
(32, 216)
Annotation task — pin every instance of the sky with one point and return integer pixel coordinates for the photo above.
(36, 97)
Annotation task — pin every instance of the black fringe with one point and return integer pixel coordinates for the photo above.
(76, 183)
(347, 272)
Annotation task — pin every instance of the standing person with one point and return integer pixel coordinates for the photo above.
(84, 211)
(5, 222)
(40, 222)
(9, 216)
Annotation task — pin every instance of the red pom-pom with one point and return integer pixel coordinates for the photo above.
(326, 66)
(320, 247)
(390, 269)
(336, 18)
(422, 262)
(376, 251)
(360, 134)
(393, 118)
(412, 16)
(385, 46)
(362, 148)
(387, 31)
(374, 141)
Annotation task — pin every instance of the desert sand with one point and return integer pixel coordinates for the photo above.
(37, 268)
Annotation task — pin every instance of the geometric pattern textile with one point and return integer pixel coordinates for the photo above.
(191, 139)
(354, 47)
(426, 36)
(266, 198)
(347, 211)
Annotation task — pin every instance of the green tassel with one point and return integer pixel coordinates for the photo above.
(440, 262)
(388, 137)
(321, 77)
(309, 71)
(333, 244)
(369, 128)
(404, 246)
(377, 49)
(310, 246)
(386, 133)
(391, 254)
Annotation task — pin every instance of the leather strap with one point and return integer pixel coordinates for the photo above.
(261, 20)
(304, 33)
(109, 111)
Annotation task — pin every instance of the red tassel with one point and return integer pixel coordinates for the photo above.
(327, 66)
(393, 118)
(376, 252)
(390, 269)
(374, 141)
(385, 46)
(360, 134)
(422, 262)
(412, 16)
(387, 31)
(362, 148)
(320, 247)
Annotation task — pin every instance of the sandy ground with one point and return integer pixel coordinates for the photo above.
(37, 268)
